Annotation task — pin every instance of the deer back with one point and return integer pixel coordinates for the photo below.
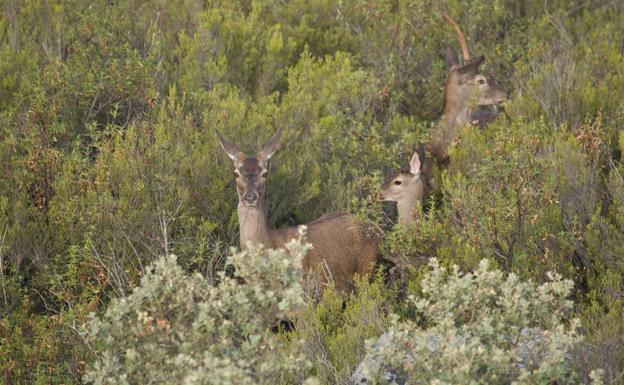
(342, 246)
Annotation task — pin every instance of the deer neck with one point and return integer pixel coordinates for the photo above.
(407, 210)
(253, 225)
(456, 113)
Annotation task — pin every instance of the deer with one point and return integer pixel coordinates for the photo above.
(341, 245)
(465, 89)
(407, 188)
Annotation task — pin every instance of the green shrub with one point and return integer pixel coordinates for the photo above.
(480, 327)
(176, 327)
(108, 157)
(332, 332)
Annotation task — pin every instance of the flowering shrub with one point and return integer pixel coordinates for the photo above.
(481, 327)
(175, 328)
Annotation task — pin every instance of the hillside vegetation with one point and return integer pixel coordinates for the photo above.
(109, 164)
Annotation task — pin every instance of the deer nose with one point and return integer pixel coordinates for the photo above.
(250, 198)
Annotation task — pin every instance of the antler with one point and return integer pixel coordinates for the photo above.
(460, 36)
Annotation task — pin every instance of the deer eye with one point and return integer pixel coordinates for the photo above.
(397, 182)
(481, 81)
(264, 174)
(236, 174)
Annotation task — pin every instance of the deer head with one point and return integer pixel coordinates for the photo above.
(407, 188)
(250, 171)
(466, 88)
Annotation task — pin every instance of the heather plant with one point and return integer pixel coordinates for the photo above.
(177, 327)
(108, 157)
(480, 327)
(332, 332)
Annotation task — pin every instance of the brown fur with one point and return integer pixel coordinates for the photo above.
(407, 188)
(342, 246)
(463, 92)
(465, 89)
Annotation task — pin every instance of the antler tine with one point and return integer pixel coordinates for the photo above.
(460, 36)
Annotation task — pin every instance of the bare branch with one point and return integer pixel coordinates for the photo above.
(460, 36)
(4, 294)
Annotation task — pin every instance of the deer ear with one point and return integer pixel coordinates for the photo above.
(451, 59)
(421, 154)
(415, 164)
(471, 69)
(230, 149)
(270, 147)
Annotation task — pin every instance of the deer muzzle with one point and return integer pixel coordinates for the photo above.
(250, 198)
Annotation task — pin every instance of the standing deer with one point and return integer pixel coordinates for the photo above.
(341, 246)
(465, 89)
(407, 188)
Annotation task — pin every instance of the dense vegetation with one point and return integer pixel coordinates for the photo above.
(108, 161)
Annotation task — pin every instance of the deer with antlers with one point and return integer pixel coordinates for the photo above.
(469, 98)
(341, 245)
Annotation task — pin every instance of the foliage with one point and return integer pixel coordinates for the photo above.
(177, 328)
(333, 331)
(480, 327)
(109, 160)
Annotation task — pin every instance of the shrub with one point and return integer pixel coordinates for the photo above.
(108, 158)
(177, 328)
(332, 332)
(481, 327)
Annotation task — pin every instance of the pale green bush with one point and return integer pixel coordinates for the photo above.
(479, 328)
(175, 328)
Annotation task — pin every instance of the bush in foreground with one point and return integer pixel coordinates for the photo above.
(479, 328)
(176, 328)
